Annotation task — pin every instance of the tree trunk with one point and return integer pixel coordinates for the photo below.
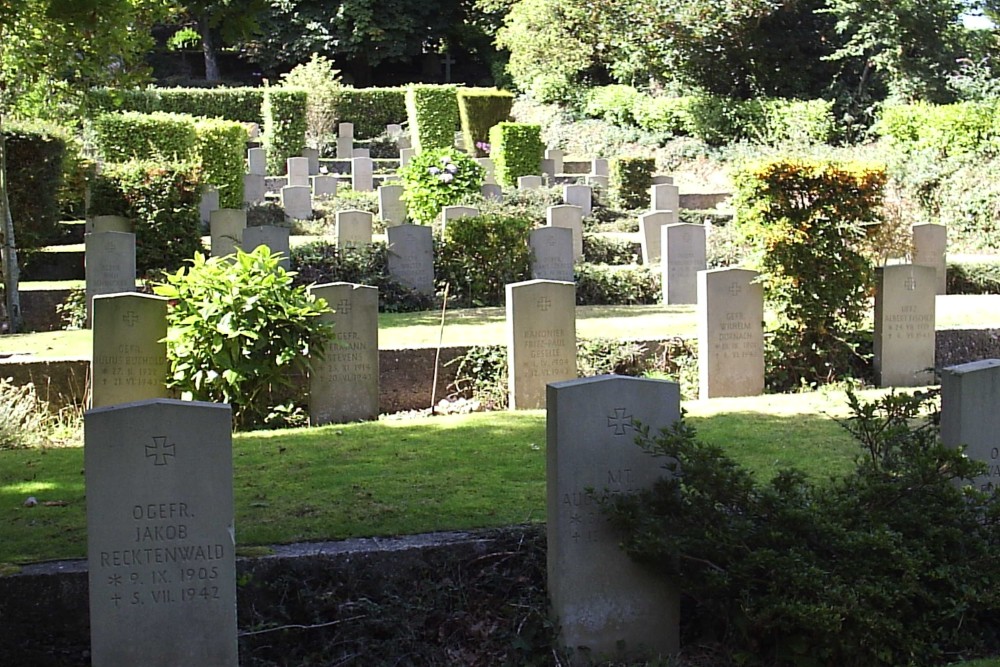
(11, 317)
(208, 48)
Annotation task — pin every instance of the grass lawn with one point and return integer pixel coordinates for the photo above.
(406, 476)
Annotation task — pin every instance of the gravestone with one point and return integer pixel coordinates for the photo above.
(254, 189)
(551, 254)
(324, 185)
(394, 130)
(570, 217)
(491, 191)
(730, 333)
(556, 156)
(345, 130)
(650, 233)
(362, 152)
(109, 223)
(129, 360)
(391, 206)
(226, 228)
(604, 604)
(665, 197)
(361, 174)
(298, 171)
(904, 325)
(930, 248)
(598, 181)
(354, 229)
(257, 161)
(451, 213)
(683, 256)
(529, 182)
(411, 257)
(345, 148)
(209, 202)
(109, 264)
(405, 155)
(312, 155)
(662, 179)
(489, 167)
(276, 239)
(541, 339)
(579, 195)
(970, 394)
(343, 385)
(160, 535)
(548, 170)
(599, 167)
(296, 200)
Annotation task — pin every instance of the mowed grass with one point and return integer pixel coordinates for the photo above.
(407, 476)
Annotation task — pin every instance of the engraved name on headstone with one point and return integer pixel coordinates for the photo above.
(904, 325)
(411, 256)
(551, 254)
(730, 333)
(541, 339)
(129, 361)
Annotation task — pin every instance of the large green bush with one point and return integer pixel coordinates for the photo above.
(239, 331)
(612, 103)
(516, 150)
(221, 149)
(480, 109)
(479, 256)
(629, 181)
(669, 115)
(35, 159)
(322, 81)
(437, 178)
(432, 112)
(604, 285)
(371, 109)
(239, 104)
(284, 112)
(131, 135)
(951, 129)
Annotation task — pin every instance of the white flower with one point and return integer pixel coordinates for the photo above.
(446, 177)
(451, 168)
(434, 170)
(444, 159)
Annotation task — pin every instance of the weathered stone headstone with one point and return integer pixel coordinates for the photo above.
(411, 256)
(605, 605)
(570, 217)
(529, 182)
(394, 130)
(343, 386)
(683, 256)
(491, 191)
(254, 188)
(730, 333)
(970, 394)
(160, 535)
(556, 156)
(257, 161)
(662, 179)
(209, 202)
(129, 360)
(598, 181)
(405, 155)
(579, 195)
(930, 248)
(276, 239)
(109, 262)
(354, 229)
(665, 197)
(312, 155)
(650, 233)
(548, 170)
(296, 200)
(226, 228)
(109, 223)
(541, 339)
(345, 130)
(551, 254)
(452, 213)
(599, 167)
(490, 168)
(345, 148)
(361, 174)
(391, 206)
(298, 171)
(362, 152)
(324, 185)
(904, 325)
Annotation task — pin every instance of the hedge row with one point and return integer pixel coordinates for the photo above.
(371, 109)
(949, 129)
(34, 158)
(479, 109)
(239, 104)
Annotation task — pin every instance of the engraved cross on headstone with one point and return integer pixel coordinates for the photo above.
(544, 303)
(620, 421)
(130, 318)
(344, 306)
(159, 450)
(910, 284)
(735, 289)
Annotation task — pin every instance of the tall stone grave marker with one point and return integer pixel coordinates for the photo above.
(109, 263)
(570, 217)
(391, 206)
(312, 155)
(597, 181)
(343, 386)
(130, 356)
(530, 182)
(257, 161)
(254, 188)
(730, 333)
(324, 185)
(682, 256)
(160, 538)
(491, 191)
(603, 601)
(665, 197)
(651, 232)
(361, 174)
(276, 239)
(109, 223)
(298, 171)
(541, 339)
(354, 229)
(579, 195)
(599, 167)
(209, 202)
(552, 254)
(411, 256)
(452, 213)
(405, 155)
(345, 141)
(930, 248)
(488, 165)
(296, 200)
(970, 394)
(226, 228)
(904, 325)
(556, 156)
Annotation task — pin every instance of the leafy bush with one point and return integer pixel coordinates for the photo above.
(973, 278)
(35, 159)
(803, 122)
(516, 150)
(371, 109)
(221, 149)
(669, 115)
(137, 136)
(887, 565)
(608, 250)
(951, 129)
(629, 181)
(284, 135)
(238, 331)
(612, 103)
(238, 104)
(480, 255)
(322, 81)
(601, 285)
(24, 418)
(479, 109)
(432, 112)
(437, 178)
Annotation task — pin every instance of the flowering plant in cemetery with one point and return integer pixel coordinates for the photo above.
(438, 178)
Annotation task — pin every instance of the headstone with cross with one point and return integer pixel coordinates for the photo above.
(930, 248)
(603, 602)
(129, 361)
(344, 381)
(683, 254)
(551, 253)
(541, 339)
(160, 538)
(904, 325)
(411, 257)
(570, 217)
(651, 233)
(730, 316)
(109, 259)
(353, 228)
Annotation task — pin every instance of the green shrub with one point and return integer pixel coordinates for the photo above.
(973, 278)
(371, 109)
(479, 256)
(629, 181)
(432, 112)
(951, 129)
(437, 178)
(239, 330)
(35, 159)
(238, 104)
(720, 120)
(603, 285)
(322, 81)
(668, 115)
(887, 565)
(162, 202)
(284, 133)
(599, 249)
(24, 418)
(612, 104)
(221, 150)
(516, 150)
(479, 109)
(131, 135)
(803, 122)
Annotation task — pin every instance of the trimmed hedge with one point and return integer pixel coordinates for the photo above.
(479, 109)
(371, 109)
(629, 181)
(516, 150)
(432, 112)
(239, 104)
(221, 149)
(35, 158)
(973, 278)
(284, 113)
(949, 129)
(131, 135)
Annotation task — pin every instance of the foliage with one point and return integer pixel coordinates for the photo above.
(322, 81)
(239, 104)
(607, 356)
(132, 135)
(629, 181)
(24, 418)
(238, 330)
(613, 104)
(480, 255)
(437, 178)
(973, 278)
(371, 109)
(600, 284)
(516, 150)
(35, 164)
(482, 376)
(669, 115)
(73, 310)
(162, 202)
(804, 221)
(599, 249)
(221, 150)
(951, 129)
(886, 565)
(284, 112)
(479, 109)
(432, 112)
